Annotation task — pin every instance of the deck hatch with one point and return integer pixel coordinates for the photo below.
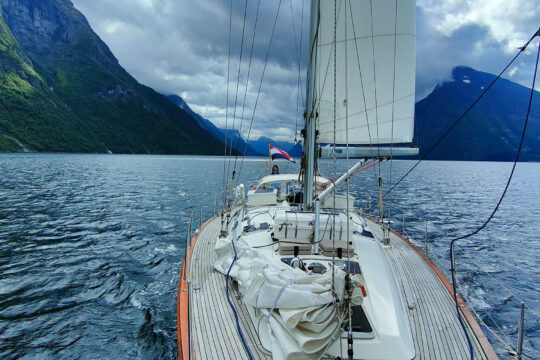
(360, 322)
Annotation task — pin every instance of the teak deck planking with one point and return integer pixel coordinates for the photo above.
(435, 329)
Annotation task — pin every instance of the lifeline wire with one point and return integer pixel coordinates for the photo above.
(453, 270)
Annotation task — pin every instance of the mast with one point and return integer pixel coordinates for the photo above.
(311, 111)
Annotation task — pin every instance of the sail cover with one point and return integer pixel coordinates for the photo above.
(299, 309)
(375, 71)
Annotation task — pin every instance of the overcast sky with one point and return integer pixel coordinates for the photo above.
(181, 47)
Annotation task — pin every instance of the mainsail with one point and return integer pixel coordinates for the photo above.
(361, 81)
(375, 71)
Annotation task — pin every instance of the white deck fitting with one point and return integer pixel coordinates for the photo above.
(434, 325)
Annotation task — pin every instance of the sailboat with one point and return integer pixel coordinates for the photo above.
(294, 270)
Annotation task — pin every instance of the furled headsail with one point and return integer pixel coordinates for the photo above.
(375, 75)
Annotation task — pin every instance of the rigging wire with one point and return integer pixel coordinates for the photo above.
(362, 86)
(332, 234)
(238, 82)
(375, 83)
(299, 94)
(260, 86)
(321, 88)
(452, 243)
(225, 174)
(393, 108)
(521, 50)
(247, 83)
(235, 107)
(350, 347)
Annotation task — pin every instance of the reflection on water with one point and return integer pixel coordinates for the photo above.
(91, 245)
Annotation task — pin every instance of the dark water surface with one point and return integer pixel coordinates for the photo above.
(91, 245)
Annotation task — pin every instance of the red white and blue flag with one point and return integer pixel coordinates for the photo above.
(277, 153)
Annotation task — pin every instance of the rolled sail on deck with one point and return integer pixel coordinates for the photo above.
(376, 61)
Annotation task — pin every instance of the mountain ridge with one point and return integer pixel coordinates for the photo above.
(491, 130)
(62, 89)
(257, 147)
(81, 99)
(238, 143)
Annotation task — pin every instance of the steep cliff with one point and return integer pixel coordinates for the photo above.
(30, 114)
(70, 93)
(239, 144)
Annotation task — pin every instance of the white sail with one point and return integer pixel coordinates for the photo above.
(375, 72)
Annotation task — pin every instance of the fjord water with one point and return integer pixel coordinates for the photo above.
(91, 245)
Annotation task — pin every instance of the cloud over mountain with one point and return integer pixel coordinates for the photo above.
(182, 47)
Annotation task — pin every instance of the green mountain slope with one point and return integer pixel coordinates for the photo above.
(62, 89)
(28, 111)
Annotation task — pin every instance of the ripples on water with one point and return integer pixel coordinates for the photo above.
(91, 245)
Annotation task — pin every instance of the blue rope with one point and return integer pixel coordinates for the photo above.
(453, 270)
(232, 306)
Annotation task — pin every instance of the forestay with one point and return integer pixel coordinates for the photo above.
(375, 58)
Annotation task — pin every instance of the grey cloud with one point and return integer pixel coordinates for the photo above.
(181, 47)
(471, 45)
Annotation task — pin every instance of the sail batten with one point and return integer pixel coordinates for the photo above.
(380, 58)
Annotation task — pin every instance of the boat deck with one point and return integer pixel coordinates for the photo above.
(435, 327)
(436, 331)
(214, 332)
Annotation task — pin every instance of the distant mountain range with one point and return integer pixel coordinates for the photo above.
(232, 135)
(491, 131)
(61, 89)
(257, 147)
(261, 146)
